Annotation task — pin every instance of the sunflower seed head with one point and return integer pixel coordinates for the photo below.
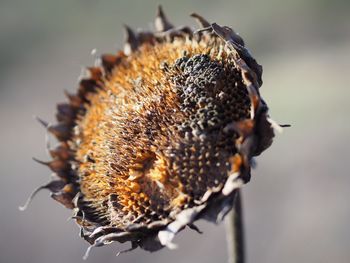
(159, 135)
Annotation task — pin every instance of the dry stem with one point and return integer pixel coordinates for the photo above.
(235, 232)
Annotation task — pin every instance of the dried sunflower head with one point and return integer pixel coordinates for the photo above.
(160, 135)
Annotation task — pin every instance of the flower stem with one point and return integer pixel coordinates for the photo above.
(235, 232)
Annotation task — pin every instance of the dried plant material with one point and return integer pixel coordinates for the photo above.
(160, 135)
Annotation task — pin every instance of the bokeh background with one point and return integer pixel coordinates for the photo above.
(297, 205)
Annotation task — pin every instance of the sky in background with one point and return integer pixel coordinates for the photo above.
(296, 206)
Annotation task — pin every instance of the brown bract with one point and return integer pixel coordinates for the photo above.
(160, 135)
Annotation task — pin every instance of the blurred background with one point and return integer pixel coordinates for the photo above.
(296, 206)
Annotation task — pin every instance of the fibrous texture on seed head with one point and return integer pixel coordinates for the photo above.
(160, 135)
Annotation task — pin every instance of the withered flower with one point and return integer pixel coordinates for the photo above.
(160, 135)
